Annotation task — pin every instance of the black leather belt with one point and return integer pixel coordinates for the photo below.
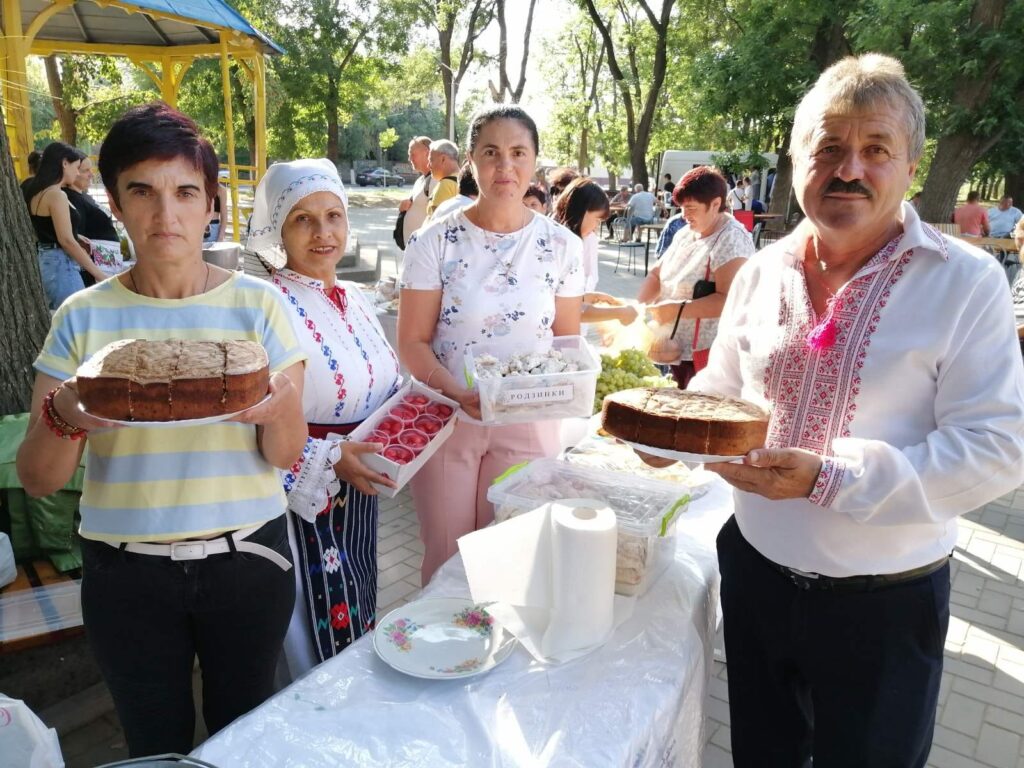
(815, 581)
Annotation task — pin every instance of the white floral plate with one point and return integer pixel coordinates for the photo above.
(181, 422)
(441, 639)
(688, 458)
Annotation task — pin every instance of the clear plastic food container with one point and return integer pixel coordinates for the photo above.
(539, 396)
(646, 510)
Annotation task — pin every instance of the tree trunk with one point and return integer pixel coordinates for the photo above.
(332, 120)
(1013, 186)
(23, 314)
(66, 117)
(955, 155)
(781, 193)
(584, 153)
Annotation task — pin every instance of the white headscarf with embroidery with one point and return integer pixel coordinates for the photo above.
(280, 189)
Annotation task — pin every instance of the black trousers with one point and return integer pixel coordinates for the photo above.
(850, 678)
(147, 617)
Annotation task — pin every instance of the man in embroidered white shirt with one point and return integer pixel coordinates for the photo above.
(887, 355)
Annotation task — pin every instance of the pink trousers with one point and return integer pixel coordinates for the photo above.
(450, 491)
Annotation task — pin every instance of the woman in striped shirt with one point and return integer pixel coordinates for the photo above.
(150, 601)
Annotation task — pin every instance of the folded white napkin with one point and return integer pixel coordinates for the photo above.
(549, 577)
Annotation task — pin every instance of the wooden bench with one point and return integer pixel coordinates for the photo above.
(39, 607)
(947, 228)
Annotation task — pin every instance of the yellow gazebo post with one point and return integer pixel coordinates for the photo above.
(166, 65)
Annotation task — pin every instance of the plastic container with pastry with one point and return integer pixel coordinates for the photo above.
(138, 380)
(686, 422)
(646, 511)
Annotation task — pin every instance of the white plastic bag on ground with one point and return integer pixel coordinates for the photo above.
(25, 741)
(8, 570)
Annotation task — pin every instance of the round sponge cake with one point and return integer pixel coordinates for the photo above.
(691, 422)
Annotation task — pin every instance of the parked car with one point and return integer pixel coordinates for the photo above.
(379, 177)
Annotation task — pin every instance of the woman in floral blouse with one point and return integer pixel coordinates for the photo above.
(493, 272)
(300, 226)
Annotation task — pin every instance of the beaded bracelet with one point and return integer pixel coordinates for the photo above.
(56, 422)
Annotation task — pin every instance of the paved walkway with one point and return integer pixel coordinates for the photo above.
(981, 706)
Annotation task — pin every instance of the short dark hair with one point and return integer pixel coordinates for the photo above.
(668, 176)
(582, 196)
(560, 178)
(155, 131)
(702, 184)
(537, 191)
(33, 161)
(493, 112)
(973, 196)
(467, 181)
(50, 170)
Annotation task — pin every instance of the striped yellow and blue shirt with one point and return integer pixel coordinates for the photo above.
(171, 483)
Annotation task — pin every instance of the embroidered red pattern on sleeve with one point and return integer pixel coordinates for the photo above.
(814, 392)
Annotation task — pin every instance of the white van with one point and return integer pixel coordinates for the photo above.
(678, 161)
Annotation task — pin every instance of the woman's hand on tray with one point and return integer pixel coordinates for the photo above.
(775, 473)
(351, 469)
(67, 404)
(469, 401)
(284, 397)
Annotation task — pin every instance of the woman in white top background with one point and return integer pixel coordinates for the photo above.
(495, 271)
(581, 208)
(713, 248)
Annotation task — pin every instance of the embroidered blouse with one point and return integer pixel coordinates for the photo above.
(350, 372)
(494, 287)
(917, 407)
(686, 261)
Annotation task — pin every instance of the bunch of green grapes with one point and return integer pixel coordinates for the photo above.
(629, 369)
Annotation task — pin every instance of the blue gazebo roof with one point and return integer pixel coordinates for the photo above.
(114, 23)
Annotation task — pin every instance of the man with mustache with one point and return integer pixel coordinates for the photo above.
(887, 355)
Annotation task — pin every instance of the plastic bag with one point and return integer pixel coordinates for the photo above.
(8, 569)
(24, 738)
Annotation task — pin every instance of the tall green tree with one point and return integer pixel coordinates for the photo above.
(458, 25)
(623, 29)
(23, 313)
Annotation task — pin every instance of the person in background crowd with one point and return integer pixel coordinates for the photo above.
(770, 180)
(300, 227)
(1003, 217)
(96, 223)
(737, 197)
(754, 185)
(748, 192)
(62, 257)
(558, 180)
(33, 167)
(183, 534)
(883, 430)
(619, 200)
(536, 199)
(641, 209)
(468, 192)
(581, 208)
(415, 205)
(444, 168)
(712, 248)
(971, 217)
(672, 225)
(217, 228)
(667, 185)
(492, 272)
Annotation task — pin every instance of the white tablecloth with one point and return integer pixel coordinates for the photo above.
(638, 701)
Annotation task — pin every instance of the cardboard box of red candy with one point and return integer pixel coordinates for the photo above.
(411, 426)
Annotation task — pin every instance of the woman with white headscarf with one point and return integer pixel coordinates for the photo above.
(300, 227)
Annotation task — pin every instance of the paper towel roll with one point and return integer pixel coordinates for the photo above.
(583, 539)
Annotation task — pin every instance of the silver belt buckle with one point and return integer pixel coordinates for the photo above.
(188, 550)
